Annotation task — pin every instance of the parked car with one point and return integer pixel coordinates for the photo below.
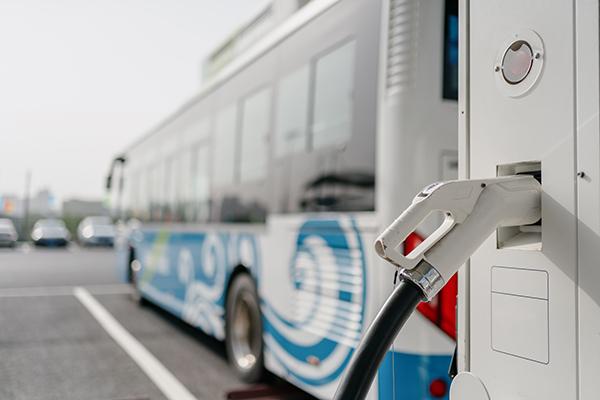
(8, 233)
(50, 232)
(96, 231)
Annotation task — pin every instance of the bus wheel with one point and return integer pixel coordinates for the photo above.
(243, 326)
(134, 269)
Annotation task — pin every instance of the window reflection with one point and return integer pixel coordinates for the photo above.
(291, 118)
(333, 102)
(201, 183)
(255, 131)
(224, 150)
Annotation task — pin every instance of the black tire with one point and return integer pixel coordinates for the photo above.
(244, 330)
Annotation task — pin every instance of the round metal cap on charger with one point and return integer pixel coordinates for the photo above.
(519, 63)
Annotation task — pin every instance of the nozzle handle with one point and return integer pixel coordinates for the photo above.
(388, 243)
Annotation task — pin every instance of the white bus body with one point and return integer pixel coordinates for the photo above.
(348, 165)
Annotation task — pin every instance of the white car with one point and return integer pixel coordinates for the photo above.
(8, 233)
(96, 231)
(50, 232)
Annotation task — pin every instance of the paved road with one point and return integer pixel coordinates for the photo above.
(52, 347)
(29, 266)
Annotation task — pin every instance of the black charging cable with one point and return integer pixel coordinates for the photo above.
(377, 341)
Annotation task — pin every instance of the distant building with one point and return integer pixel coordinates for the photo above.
(83, 208)
(43, 204)
(276, 12)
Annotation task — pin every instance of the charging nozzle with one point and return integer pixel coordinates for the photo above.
(473, 209)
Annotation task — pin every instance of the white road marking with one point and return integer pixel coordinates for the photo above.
(48, 291)
(161, 376)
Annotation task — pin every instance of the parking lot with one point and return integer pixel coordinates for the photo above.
(54, 346)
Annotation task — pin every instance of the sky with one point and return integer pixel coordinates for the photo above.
(82, 79)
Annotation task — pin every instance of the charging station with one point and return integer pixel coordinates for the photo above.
(528, 311)
(524, 218)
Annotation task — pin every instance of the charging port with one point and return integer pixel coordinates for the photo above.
(524, 237)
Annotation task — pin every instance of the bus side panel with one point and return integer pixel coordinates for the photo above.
(407, 376)
(187, 272)
(417, 145)
(314, 295)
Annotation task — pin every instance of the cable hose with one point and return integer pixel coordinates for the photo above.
(377, 341)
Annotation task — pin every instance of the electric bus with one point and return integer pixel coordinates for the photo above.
(253, 207)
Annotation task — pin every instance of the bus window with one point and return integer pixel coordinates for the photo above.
(141, 204)
(174, 196)
(255, 134)
(451, 51)
(199, 130)
(161, 194)
(168, 187)
(225, 128)
(333, 101)
(291, 117)
(200, 183)
(147, 191)
(132, 185)
(185, 185)
(157, 192)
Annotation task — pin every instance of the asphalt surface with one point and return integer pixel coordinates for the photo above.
(51, 347)
(28, 266)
